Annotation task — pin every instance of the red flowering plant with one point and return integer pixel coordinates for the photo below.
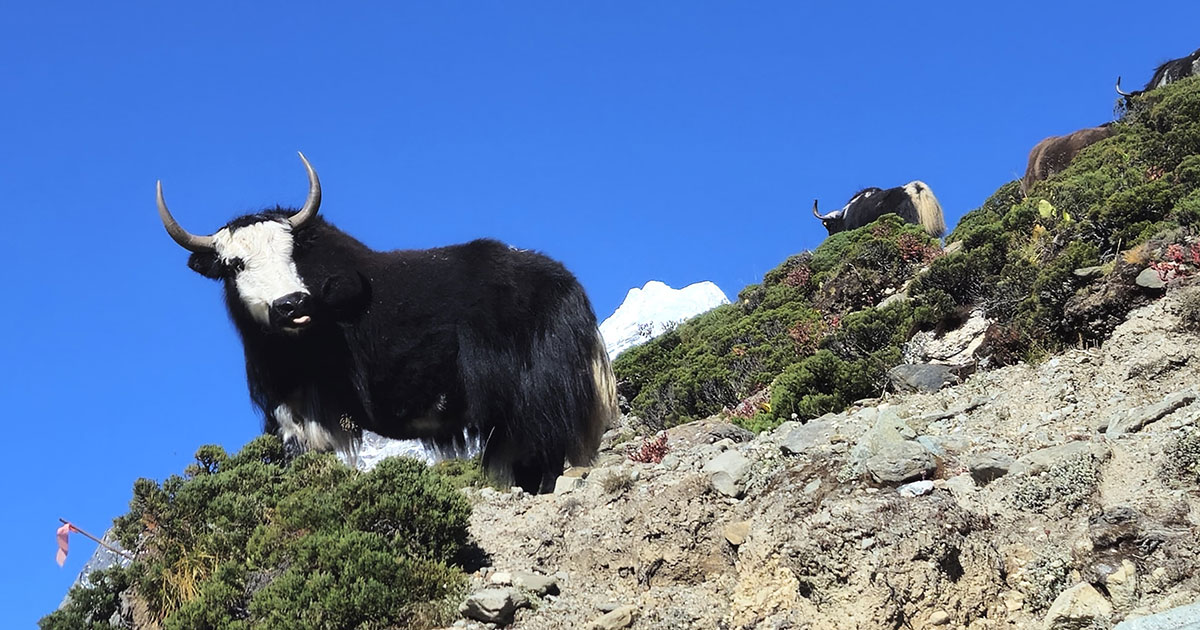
(652, 450)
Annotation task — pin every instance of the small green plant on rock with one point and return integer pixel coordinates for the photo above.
(1182, 459)
(1064, 485)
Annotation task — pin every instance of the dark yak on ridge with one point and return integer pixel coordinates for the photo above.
(1052, 155)
(1168, 72)
(476, 341)
(914, 202)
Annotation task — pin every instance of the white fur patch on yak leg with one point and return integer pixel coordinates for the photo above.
(312, 435)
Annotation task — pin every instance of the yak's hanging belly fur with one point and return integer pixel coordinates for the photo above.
(408, 387)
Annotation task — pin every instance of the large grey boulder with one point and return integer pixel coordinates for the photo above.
(889, 453)
(922, 377)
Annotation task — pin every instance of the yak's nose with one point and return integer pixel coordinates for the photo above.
(292, 311)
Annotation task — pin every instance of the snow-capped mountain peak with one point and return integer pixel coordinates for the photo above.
(654, 309)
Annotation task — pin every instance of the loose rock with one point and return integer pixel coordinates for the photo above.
(1078, 607)
(1149, 279)
(493, 605)
(891, 458)
(1122, 585)
(915, 489)
(615, 620)
(564, 484)
(736, 533)
(540, 585)
(1135, 419)
(728, 472)
(988, 467)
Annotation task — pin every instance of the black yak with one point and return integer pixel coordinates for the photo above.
(479, 341)
(914, 202)
(1168, 72)
(1052, 155)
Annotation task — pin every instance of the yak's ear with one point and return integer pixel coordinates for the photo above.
(205, 264)
(346, 292)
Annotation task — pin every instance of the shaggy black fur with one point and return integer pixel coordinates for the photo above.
(1168, 72)
(863, 209)
(1173, 71)
(424, 344)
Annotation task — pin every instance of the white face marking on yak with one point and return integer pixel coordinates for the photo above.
(262, 254)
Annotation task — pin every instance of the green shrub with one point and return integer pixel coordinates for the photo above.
(252, 541)
(805, 307)
(90, 607)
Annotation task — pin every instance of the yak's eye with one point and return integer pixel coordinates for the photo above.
(234, 266)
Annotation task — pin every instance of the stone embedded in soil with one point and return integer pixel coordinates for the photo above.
(1135, 419)
(736, 533)
(493, 605)
(988, 467)
(915, 489)
(728, 473)
(888, 455)
(540, 585)
(796, 439)
(1179, 618)
(924, 377)
(939, 618)
(563, 485)
(1122, 585)
(1078, 607)
(1149, 279)
(1041, 459)
(615, 619)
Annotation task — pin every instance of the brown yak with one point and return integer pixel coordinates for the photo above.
(1052, 155)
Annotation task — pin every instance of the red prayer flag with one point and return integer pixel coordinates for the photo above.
(61, 556)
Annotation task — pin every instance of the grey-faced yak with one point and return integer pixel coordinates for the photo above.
(478, 341)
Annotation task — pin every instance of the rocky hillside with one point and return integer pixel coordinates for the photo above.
(1061, 495)
(1060, 491)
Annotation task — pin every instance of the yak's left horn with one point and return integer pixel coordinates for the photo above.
(313, 203)
(1125, 94)
(831, 215)
(187, 240)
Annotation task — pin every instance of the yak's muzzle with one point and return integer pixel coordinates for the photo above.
(292, 311)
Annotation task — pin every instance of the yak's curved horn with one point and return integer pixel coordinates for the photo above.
(831, 215)
(1125, 94)
(313, 203)
(187, 240)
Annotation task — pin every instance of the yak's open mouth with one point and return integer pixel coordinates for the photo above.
(296, 324)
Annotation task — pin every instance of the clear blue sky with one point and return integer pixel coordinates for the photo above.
(678, 141)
